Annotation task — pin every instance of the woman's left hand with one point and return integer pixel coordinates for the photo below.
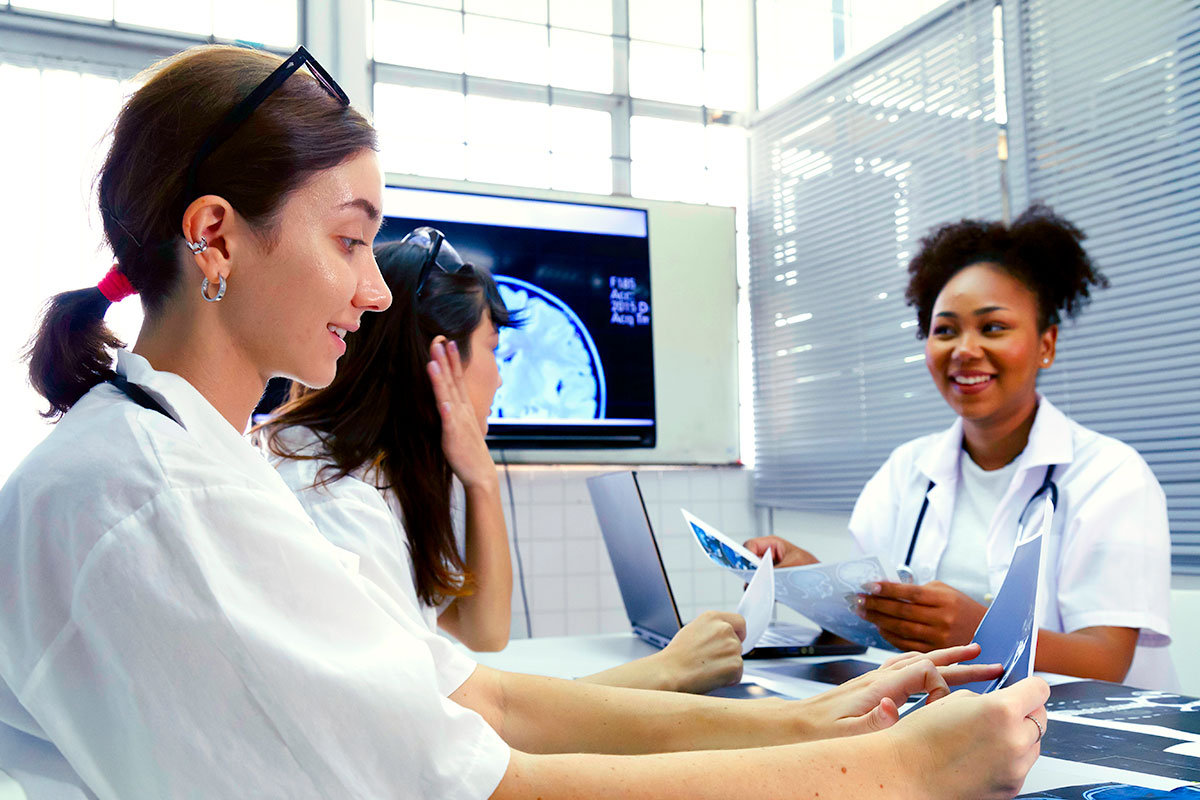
(870, 702)
(921, 618)
(462, 440)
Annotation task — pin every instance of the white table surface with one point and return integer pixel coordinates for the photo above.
(573, 656)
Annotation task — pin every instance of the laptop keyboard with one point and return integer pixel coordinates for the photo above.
(785, 635)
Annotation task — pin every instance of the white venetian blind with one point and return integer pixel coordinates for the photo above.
(846, 176)
(1110, 105)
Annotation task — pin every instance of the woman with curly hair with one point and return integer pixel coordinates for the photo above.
(989, 299)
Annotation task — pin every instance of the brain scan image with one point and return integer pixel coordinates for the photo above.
(810, 585)
(853, 574)
(549, 366)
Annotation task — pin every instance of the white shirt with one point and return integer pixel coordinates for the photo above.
(174, 624)
(356, 515)
(1108, 558)
(964, 562)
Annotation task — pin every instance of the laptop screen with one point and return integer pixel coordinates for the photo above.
(634, 553)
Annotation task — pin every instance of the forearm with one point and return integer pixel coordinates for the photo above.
(650, 672)
(1101, 653)
(482, 619)
(869, 767)
(546, 715)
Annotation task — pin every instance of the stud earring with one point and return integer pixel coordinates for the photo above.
(220, 290)
(1045, 361)
(198, 247)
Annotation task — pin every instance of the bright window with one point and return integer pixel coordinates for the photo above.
(580, 131)
(421, 131)
(572, 174)
(92, 9)
(800, 42)
(581, 61)
(526, 10)
(726, 161)
(726, 81)
(417, 36)
(584, 16)
(508, 141)
(667, 159)
(727, 26)
(675, 22)
(511, 51)
(265, 22)
(48, 220)
(666, 72)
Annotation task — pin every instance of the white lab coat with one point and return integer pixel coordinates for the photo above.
(1108, 559)
(174, 624)
(356, 515)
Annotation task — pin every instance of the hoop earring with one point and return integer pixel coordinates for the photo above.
(220, 290)
(197, 247)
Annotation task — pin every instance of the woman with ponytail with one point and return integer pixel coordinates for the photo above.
(173, 625)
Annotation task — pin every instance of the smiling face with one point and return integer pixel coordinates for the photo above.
(296, 301)
(481, 373)
(985, 349)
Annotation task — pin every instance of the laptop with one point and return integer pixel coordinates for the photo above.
(646, 590)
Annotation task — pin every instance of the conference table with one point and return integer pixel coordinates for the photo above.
(574, 656)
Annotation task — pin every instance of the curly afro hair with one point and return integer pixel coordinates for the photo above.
(1040, 249)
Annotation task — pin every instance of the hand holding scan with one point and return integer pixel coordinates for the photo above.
(462, 439)
(706, 653)
(977, 746)
(923, 617)
(870, 702)
(784, 552)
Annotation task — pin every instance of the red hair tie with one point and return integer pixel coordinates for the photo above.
(115, 286)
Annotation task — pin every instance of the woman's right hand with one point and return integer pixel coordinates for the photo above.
(974, 746)
(705, 654)
(462, 441)
(786, 554)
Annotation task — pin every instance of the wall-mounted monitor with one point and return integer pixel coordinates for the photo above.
(579, 371)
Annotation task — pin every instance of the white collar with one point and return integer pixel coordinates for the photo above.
(193, 411)
(1049, 443)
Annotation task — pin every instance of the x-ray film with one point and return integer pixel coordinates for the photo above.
(1007, 634)
(825, 593)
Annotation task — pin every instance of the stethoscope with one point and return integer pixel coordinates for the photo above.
(905, 571)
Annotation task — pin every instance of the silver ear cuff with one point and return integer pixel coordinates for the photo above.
(220, 289)
(197, 247)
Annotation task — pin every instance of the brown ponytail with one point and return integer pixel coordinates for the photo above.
(298, 131)
(73, 335)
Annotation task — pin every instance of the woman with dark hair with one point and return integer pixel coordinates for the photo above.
(376, 429)
(948, 506)
(173, 625)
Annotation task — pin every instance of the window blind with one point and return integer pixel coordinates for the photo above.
(1109, 133)
(846, 176)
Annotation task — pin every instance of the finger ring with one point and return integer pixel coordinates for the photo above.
(1041, 730)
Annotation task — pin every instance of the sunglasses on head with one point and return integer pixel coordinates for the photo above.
(242, 111)
(432, 239)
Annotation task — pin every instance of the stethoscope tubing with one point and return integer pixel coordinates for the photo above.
(906, 572)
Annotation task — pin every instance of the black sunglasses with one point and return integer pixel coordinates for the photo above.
(242, 111)
(433, 241)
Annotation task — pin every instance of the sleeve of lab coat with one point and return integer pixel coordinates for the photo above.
(1115, 564)
(220, 647)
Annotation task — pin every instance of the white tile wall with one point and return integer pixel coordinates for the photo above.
(568, 578)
